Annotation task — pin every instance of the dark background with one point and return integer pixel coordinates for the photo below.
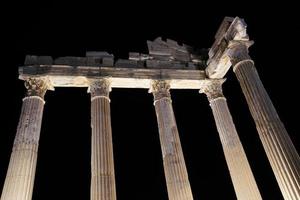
(56, 29)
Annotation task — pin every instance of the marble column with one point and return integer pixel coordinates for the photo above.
(19, 180)
(240, 172)
(278, 146)
(176, 175)
(102, 162)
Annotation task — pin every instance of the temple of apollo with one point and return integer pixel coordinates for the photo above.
(168, 66)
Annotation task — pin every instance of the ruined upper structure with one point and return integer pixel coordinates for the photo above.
(162, 55)
(231, 33)
(186, 67)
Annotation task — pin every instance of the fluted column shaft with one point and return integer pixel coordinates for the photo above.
(278, 146)
(240, 172)
(176, 175)
(20, 176)
(102, 162)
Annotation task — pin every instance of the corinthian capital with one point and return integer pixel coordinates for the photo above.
(160, 89)
(37, 86)
(213, 89)
(100, 87)
(237, 51)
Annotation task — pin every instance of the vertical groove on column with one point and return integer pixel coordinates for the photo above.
(279, 148)
(103, 177)
(239, 168)
(21, 170)
(174, 165)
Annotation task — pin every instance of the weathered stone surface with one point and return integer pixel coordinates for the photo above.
(100, 87)
(126, 63)
(99, 58)
(70, 60)
(93, 61)
(163, 55)
(20, 175)
(280, 150)
(169, 54)
(141, 64)
(38, 60)
(220, 35)
(230, 31)
(168, 50)
(138, 56)
(179, 65)
(38, 86)
(161, 64)
(159, 47)
(157, 64)
(107, 62)
(70, 76)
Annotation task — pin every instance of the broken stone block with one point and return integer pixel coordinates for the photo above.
(158, 47)
(158, 64)
(38, 60)
(134, 56)
(69, 60)
(182, 56)
(138, 56)
(105, 62)
(108, 61)
(93, 61)
(126, 63)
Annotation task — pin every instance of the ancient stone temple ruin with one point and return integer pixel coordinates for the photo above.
(167, 66)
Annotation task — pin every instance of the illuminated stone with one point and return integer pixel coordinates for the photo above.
(102, 162)
(20, 175)
(278, 146)
(231, 49)
(176, 175)
(240, 172)
(168, 65)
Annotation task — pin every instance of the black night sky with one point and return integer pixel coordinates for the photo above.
(56, 29)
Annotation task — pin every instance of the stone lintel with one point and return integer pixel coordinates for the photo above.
(231, 29)
(79, 76)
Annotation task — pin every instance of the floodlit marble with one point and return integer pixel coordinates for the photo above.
(102, 162)
(231, 49)
(20, 175)
(240, 172)
(176, 175)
